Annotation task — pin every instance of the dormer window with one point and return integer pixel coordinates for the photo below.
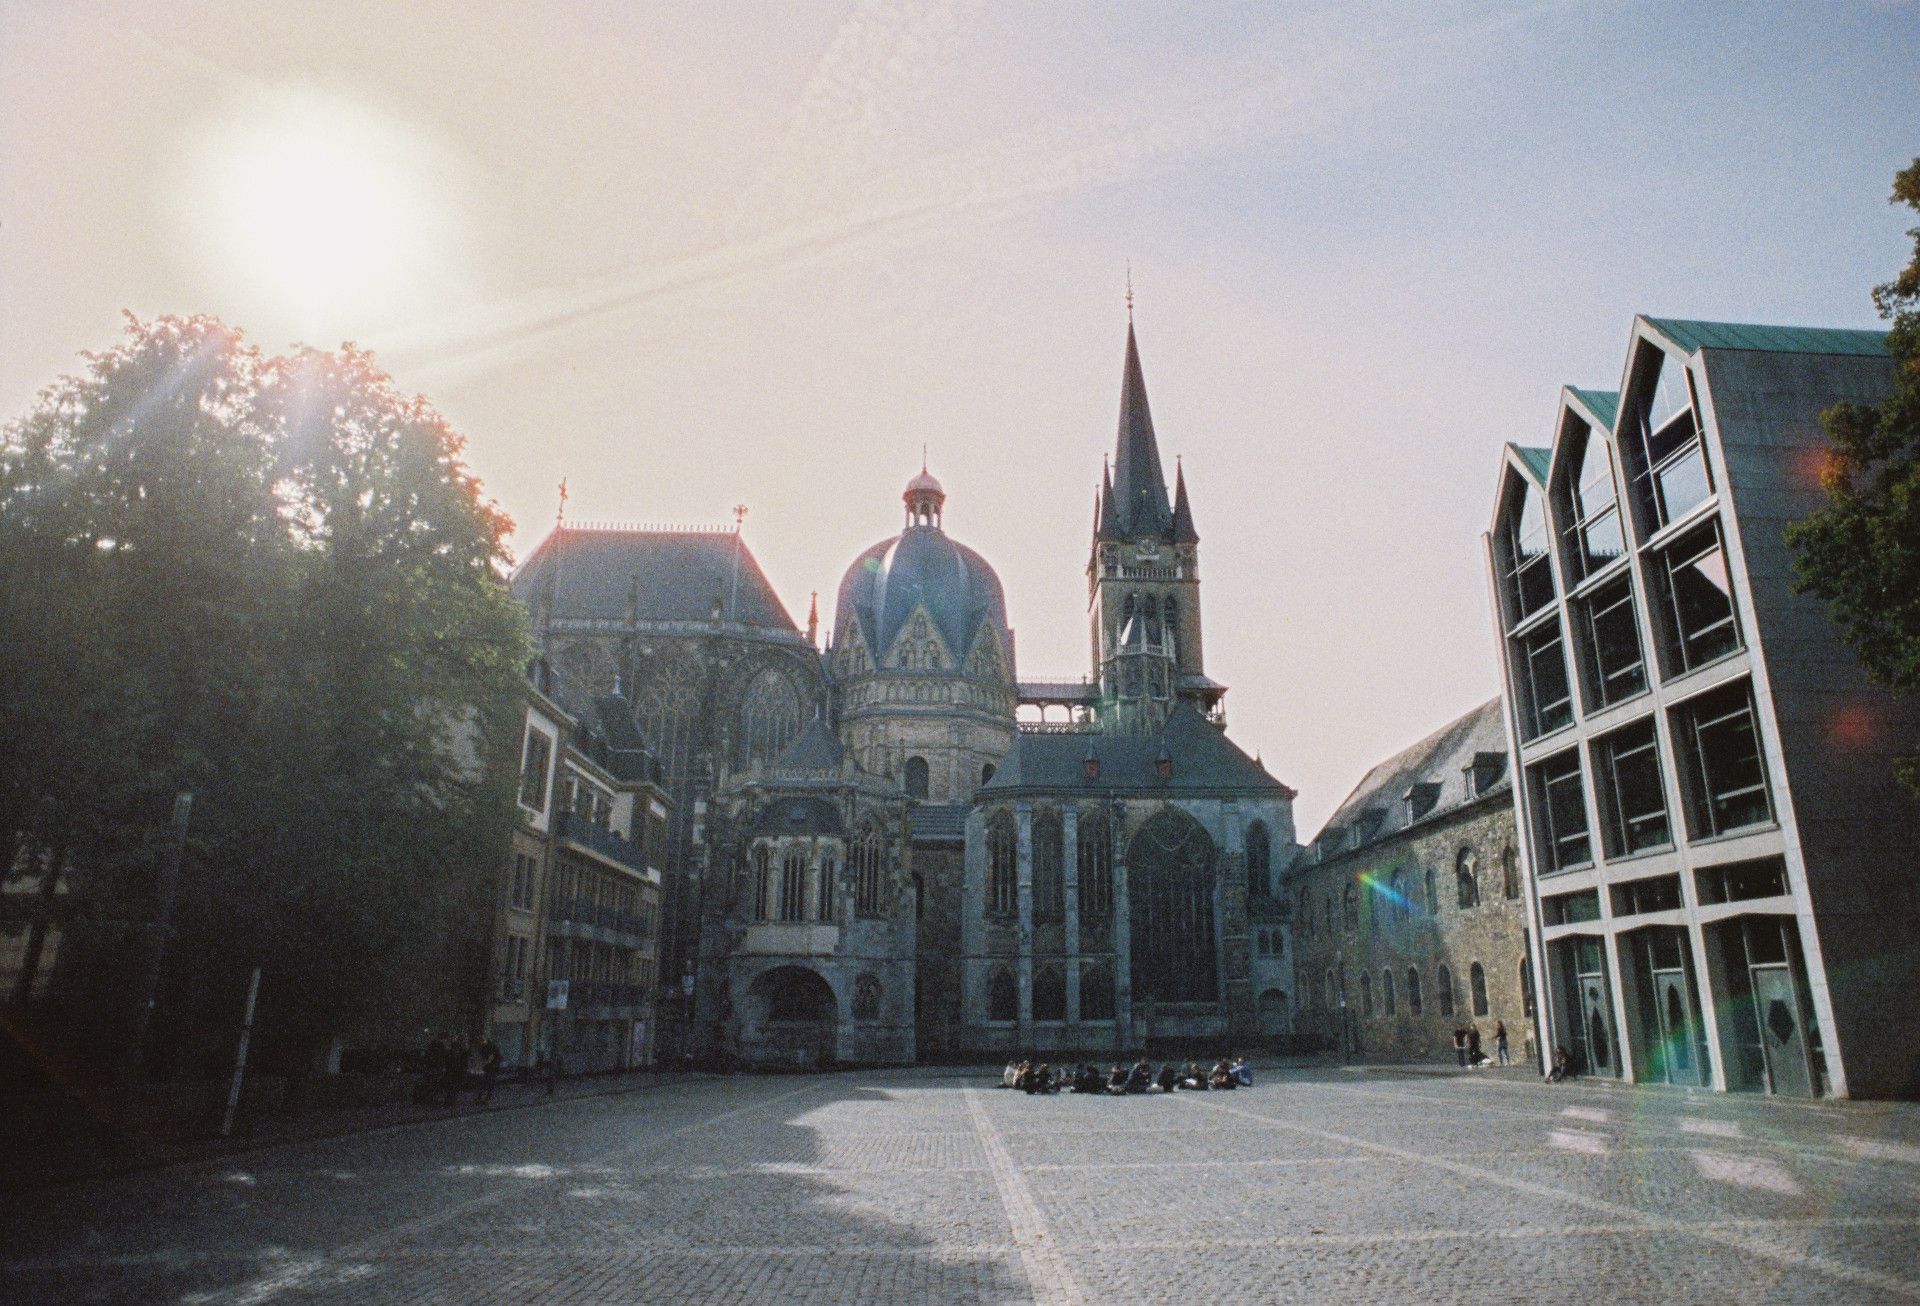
(1420, 799)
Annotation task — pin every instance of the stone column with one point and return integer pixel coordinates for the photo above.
(974, 967)
(1070, 877)
(1023, 892)
(1122, 935)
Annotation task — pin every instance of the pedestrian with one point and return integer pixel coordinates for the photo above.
(1475, 1057)
(1562, 1066)
(1460, 1044)
(490, 1060)
(1501, 1050)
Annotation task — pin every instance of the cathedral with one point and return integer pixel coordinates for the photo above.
(886, 846)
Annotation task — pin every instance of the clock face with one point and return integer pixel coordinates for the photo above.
(1149, 549)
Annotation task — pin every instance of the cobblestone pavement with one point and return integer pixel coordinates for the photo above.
(933, 1186)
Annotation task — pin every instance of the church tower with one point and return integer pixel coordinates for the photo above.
(1143, 578)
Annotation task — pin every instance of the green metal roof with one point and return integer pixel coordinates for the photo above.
(1692, 336)
(1603, 404)
(1537, 461)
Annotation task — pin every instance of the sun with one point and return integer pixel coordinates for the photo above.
(316, 209)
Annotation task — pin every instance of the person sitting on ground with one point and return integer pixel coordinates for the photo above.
(1010, 1075)
(1023, 1076)
(1562, 1066)
(1140, 1077)
(1041, 1081)
(1090, 1080)
(1193, 1078)
(1243, 1072)
(1221, 1076)
(1117, 1079)
(1167, 1078)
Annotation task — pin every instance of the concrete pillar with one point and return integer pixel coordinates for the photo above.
(1070, 877)
(1023, 893)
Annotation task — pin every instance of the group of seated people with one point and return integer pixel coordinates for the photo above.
(1028, 1077)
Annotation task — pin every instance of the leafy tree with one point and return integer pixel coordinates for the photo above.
(1861, 551)
(271, 581)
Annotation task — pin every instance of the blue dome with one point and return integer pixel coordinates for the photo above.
(923, 566)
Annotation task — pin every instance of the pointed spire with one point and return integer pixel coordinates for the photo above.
(1106, 517)
(813, 619)
(1140, 488)
(1182, 530)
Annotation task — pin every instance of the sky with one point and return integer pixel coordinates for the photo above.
(692, 256)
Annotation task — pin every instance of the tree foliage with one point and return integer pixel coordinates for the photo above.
(273, 582)
(1861, 551)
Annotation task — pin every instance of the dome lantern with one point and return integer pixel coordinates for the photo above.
(924, 498)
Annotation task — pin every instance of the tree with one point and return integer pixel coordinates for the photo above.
(271, 581)
(1861, 551)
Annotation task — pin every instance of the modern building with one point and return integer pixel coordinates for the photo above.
(1408, 917)
(1721, 866)
(875, 858)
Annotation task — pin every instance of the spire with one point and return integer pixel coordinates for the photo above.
(813, 619)
(1183, 531)
(1140, 488)
(1106, 517)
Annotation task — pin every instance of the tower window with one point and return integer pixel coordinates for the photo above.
(917, 777)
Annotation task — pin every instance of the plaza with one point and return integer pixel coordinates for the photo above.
(1316, 1184)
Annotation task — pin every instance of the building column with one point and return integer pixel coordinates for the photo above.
(1122, 936)
(1023, 893)
(1070, 878)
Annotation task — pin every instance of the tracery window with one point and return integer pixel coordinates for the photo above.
(1095, 855)
(866, 997)
(1259, 860)
(769, 717)
(1170, 888)
(829, 884)
(793, 886)
(1003, 852)
(763, 885)
(869, 874)
(1466, 875)
(666, 702)
(1049, 897)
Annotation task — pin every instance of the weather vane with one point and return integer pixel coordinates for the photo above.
(560, 515)
(739, 518)
(1129, 290)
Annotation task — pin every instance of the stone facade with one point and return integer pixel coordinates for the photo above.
(1408, 915)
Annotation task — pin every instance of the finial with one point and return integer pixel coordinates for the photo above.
(560, 516)
(739, 518)
(923, 455)
(1129, 292)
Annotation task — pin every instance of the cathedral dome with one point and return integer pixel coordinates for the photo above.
(922, 567)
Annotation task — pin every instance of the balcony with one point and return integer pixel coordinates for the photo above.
(581, 916)
(605, 844)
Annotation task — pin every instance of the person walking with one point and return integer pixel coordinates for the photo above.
(1475, 1056)
(1501, 1050)
(490, 1060)
(1460, 1045)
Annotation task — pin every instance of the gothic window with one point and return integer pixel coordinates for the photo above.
(793, 886)
(1259, 862)
(1366, 994)
(1466, 876)
(1350, 909)
(1398, 906)
(1433, 892)
(1095, 855)
(1477, 982)
(1049, 900)
(986, 773)
(1444, 983)
(769, 717)
(763, 886)
(1509, 873)
(932, 656)
(1170, 885)
(1096, 993)
(1049, 994)
(869, 874)
(1003, 850)
(665, 704)
(829, 886)
(1153, 620)
(1413, 990)
(917, 775)
(866, 998)
(1003, 996)
(1386, 992)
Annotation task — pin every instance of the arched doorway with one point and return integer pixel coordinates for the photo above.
(791, 1015)
(1170, 884)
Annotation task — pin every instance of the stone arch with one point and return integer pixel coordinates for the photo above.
(791, 1016)
(1170, 902)
(770, 716)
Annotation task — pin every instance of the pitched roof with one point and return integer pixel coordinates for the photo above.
(1203, 759)
(1603, 404)
(1536, 459)
(1692, 336)
(1182, 529)
(1139, 486)
(1378, 807)
(654, 575)
(815, 748)
(938, 822)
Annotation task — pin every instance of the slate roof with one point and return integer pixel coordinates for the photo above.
(1204, 759)
(1692, 336)
(944, 823)
(660, 575)
(923, 564)
(1603, 404)
(1377, 808)
(816, 748)
(1139, 486)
